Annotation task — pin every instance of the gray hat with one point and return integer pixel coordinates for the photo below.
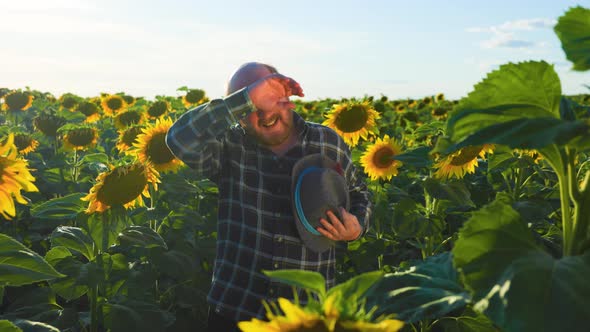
(317, 185)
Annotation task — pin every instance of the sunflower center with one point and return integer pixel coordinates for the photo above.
(68, 103)
(81, 137)
(128, 118)
(130, 135)
(194, 96)
(122, 186)
(22, 141)
(158, 108)
(383, 157)
(157, 151)
(87, 108)
(115, 103)
(466, 155)
(352, 119)
(17, 101)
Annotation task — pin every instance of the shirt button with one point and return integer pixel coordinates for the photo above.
(271, 291)
(279, 239)
(276, 265)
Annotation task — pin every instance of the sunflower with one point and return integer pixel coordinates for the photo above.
(458, 163)
(48, 123)
(14, 177)
(122, 185)
(128, 136)
(412, 103)
(400, 108)
(68, 101)
(386, 325)
(294, 319)
(78, 137)
(17, 101)
(25, 143)
(439, 113)
(127, 118)
(427, 100)
(439, 97)
(352, 120)
(378, 160)
(90, 110)
(112, 104)
(151, 146)
(130, 100)
(158, 108)
(533, 154)
(193, 97)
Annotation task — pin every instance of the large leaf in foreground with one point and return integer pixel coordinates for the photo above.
(525, 90)
(313, 281)
(573, 29)
(20, 265)
(427, 291)
(516, 284)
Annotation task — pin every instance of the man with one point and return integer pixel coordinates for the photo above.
(247, 143)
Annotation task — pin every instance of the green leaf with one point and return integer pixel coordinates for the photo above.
(67, 207)
(357, 286)
(30, 326)
(74, 284)
(527, 133)
(130, 315)
(428, 290)
(454, 191)
(504, 268)
(418, 157)
(20, 265)
(466, 324)
(573, 30)
(95, 158)
(539, 293)
(73, 238)
(141, 236)
(488, 242)
(515, 91)
(7, 326)
(104, 227)
(313, 281)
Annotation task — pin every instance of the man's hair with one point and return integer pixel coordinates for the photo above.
(233, 86)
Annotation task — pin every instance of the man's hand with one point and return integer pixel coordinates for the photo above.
(272, 92)
(346, 230)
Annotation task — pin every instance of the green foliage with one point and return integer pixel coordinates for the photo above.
(20, 265)
(573, 30)
(428, 290)
(503, 267)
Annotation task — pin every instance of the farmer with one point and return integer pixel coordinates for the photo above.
(247, 143)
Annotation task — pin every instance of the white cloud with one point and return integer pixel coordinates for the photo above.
(504, 35)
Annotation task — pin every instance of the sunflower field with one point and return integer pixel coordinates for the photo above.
(481, 218)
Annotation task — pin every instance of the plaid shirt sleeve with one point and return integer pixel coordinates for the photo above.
(195, 138)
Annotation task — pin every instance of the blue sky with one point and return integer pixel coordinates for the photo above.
(401, 49)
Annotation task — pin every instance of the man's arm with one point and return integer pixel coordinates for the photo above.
(195, 138)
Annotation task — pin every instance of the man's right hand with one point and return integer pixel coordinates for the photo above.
(273, 92)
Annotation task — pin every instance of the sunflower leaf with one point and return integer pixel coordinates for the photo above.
(75, 239)
(428, 290)
(573, 30)
(66, 207)
(502, 266)
(21, 266)
(7, 326)
(515, 91)
(313, 281)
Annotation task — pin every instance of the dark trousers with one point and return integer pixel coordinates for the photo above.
(218, 323)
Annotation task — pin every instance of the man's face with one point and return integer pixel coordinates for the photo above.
(271, 128)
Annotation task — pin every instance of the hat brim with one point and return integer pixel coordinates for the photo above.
(316, 243)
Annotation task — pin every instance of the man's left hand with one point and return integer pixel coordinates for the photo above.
(347, 229)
